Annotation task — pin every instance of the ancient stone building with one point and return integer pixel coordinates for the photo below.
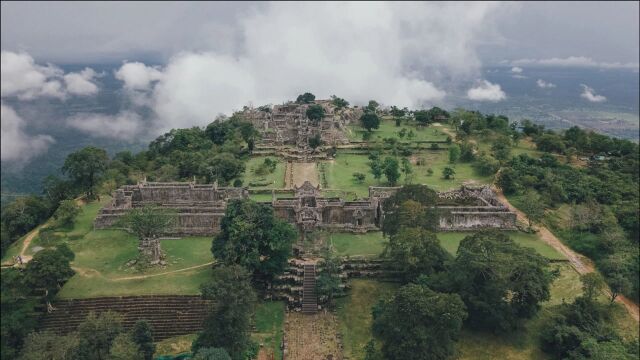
(200, 208)
(288, 125)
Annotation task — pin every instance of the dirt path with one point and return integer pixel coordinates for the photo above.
(445, 130)
(581, 264)
(89, 272)
(304, 172)
(312, 337)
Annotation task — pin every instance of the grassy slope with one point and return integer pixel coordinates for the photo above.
(276, 178)
(269, 320)
(388, 129)
(354, 312)
(372, 243)
(101, 256)
(339, 173)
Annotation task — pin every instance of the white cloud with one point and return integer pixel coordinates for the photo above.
(545, 85)
(81, 83)
(575, 61)
(589, 94)
(137, 76)
(125, 125)
(516, 70)
(23, 78)
(324, 57)
(486, 91)
(16, 145)
(518, 76)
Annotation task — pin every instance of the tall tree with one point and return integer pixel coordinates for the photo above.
(415, 251)
(97, 333)
(148, 223)
(142, 335)
(454, 153)
(315, 113)
(500, 281)
(228, 324)
(49, 270)
(370, 120)
(124, 348)
(533, 207)
(412, 206)
(251, 236)
(85, 167)
(418, 323)
(391, 170)
(306, 98)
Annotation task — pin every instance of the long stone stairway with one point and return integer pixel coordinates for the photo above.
(309, 297)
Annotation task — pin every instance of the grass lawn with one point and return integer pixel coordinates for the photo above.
(354, 314)
(274, 180)
(269, 320)
(370, 244)
(267, 197)
(339, 173)
(451, 240)
(101, 257)
(388, 129)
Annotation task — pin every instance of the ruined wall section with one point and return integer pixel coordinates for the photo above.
(288, 125)
(199, 208)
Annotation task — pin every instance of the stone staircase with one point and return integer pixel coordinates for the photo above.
(169, 316)
(309, 297)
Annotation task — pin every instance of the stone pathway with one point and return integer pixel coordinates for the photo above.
(303, 172)
(312, 337)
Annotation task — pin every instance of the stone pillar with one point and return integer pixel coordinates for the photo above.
(150, 247)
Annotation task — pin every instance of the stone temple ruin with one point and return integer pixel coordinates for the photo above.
(287, 127)
(200, 208)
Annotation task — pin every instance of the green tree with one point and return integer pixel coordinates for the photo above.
(251, 236)
(148, 223)
(411, 205)
(228, 323)
(142, 335)
(48, 270)
(315, 141)
(370, 120)
(533, 207)
(47, 345)
(124, 348)
(212, 353)
(501, 148)
(418, 323)
(407, 170)
(454, 153)
(377, 168)
(359, 177)
(448, 173)
(315, 113)
(306, 98)
(415, 251)
(329, 283)
(486, 165)
(339, 103)
(500, 281)
(66, 213)
(391, 170)
(618, 284)
(373, 105)
(592, 285)
(18, 315)
(85, 167)
(222, 167)
(97, 334)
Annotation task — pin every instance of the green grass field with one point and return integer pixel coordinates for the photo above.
(339, 173)
(269, 320)
(451, 240)
(274, 180)
(370, 244)
(388, 129)
(354, 314)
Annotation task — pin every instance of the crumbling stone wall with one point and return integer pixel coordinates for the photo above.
(287, 124)
(200, 208)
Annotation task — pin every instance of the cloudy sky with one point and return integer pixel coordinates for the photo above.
(187, 62)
